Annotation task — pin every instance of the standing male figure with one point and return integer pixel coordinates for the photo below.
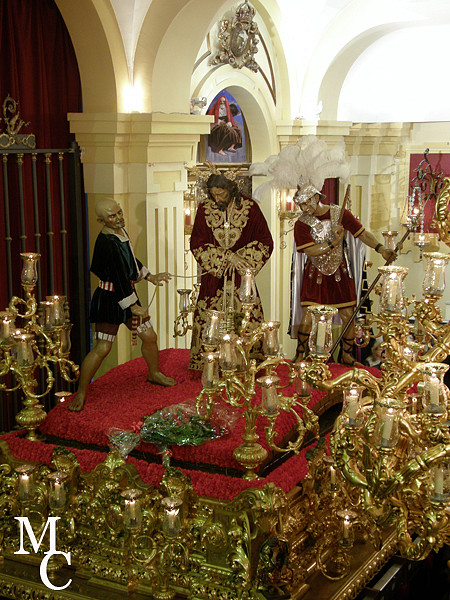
(115, 300)
(229, 236)
(327, 276)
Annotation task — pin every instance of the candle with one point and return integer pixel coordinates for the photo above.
(352, 406)
(387, 429)
(187, 216)
(346, 528)
(132, 509)
(391, 291)
(439, 481)
(271, 397)
(25, 484)
(288, 204)
(433, 390)
(332, 475)
(321, 334)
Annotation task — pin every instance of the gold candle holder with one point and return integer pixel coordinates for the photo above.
(271, 345)
(434, 278)
(391, 295)
(26, 484)
(269, 393)
(132, 512)
(29, 274)
(184, 305)
(210, 373)
(321, 336)
(57, 496)
(212, 327)
(385, 434)
(434, 398)
(171, 518)
(227, 353)
(247, 290)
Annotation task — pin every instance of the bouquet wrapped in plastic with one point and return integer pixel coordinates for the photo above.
(179, 424)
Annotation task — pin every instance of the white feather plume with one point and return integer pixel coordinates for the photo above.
(309, 161)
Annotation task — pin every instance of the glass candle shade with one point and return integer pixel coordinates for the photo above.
(25, 486)
(211, 333)
(64, 338)
(247, 289)
(330, 469)
(29, 274)
(412, 350)
(269, 393)
(347, 520)
(271, 345)
(434, 279)
(302, 387)
(210, 374)
(392, 296)
(434, 397)
(57, 314)
(240, 354)
(132, 512)
(171, 518)
(321, 336)
(227, 353)
(184, 305)
(57, 496)
(7, 328)
(385, 433)
(390, 239)
(351, 410)
(22, 349)
(45, 318)
(440, 482)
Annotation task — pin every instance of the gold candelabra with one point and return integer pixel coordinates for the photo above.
(231, 374)
(42, 341)
(391, 443)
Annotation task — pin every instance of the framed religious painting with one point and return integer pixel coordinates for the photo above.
(228, 141)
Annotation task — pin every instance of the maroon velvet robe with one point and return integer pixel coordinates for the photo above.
(211, 244)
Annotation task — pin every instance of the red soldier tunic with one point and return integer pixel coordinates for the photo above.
(215, 235)
(335, 289)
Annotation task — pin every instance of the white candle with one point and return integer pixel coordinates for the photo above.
(132, 508)
(25, 484)
(346, 528)
(387, 429)
(271, 399)
(352, 405)
(321, 333)
(433, 390)
(58, 490)
(392, 290)
(332, 475)
(439, 481)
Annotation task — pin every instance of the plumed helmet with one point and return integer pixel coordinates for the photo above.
(305, 192)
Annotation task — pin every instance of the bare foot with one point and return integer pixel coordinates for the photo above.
(77, 403)
(160, 379)
(231, 150)
(221, 152)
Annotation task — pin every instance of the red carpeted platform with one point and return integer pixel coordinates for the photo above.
(121, 398)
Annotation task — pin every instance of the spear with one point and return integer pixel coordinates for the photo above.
(366, 295)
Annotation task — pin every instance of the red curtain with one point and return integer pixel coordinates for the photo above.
(39, 68)
(39, 71)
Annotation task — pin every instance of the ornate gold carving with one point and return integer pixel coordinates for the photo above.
(238, 39)
(11, 137)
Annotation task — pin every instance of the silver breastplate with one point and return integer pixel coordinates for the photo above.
(321, 231)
